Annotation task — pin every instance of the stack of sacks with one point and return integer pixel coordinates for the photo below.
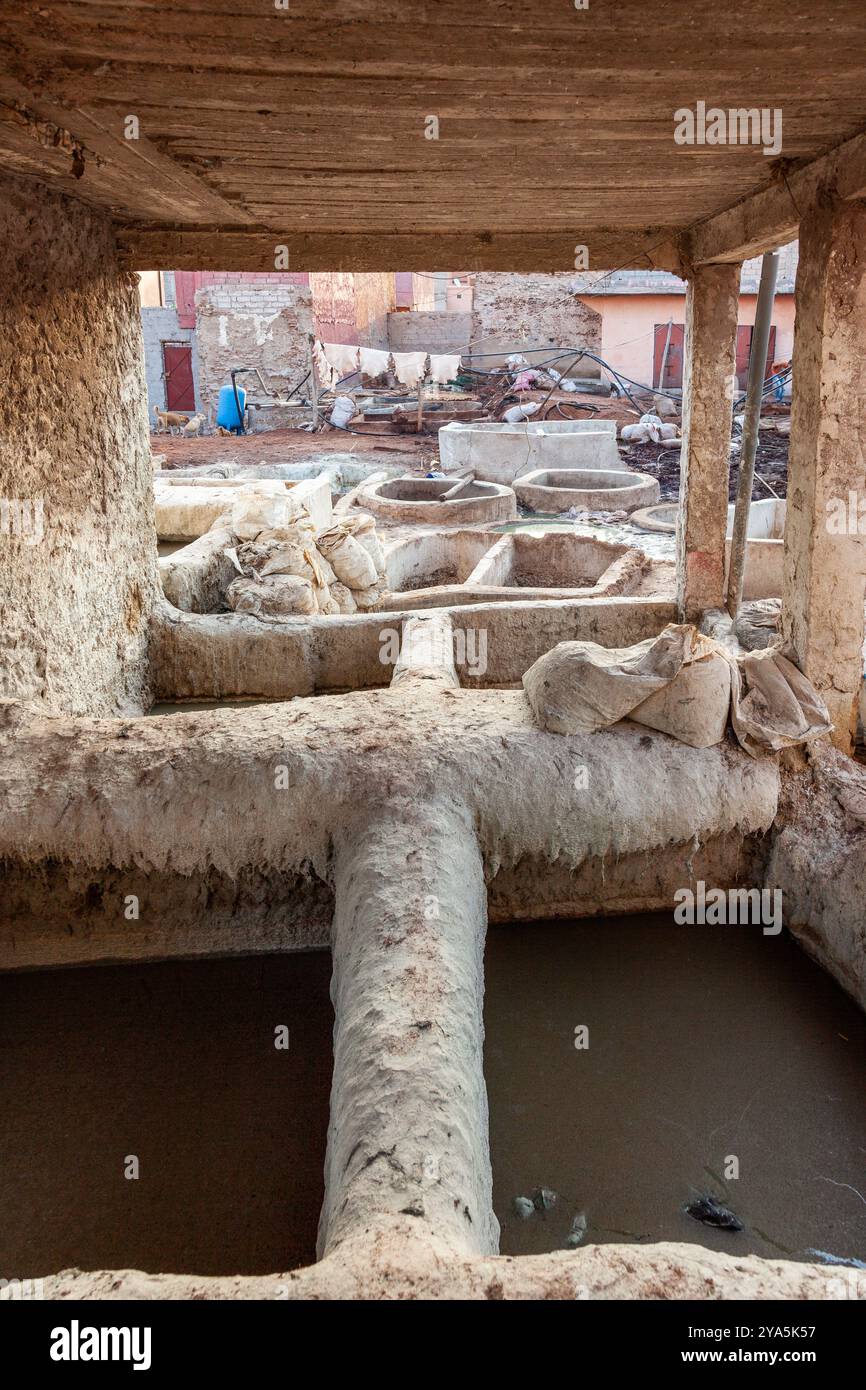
(648, 430)
(286, 570)
(355, 553)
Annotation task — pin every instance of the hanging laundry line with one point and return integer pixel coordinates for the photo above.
(336, 361)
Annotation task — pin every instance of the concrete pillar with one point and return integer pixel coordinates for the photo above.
(710, 360)
(78, 563)
(825, 529)
(408, 1134)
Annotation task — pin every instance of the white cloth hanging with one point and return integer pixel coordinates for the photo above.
(373, 361)
(324, 371)
(444, 367)
(343, 357)
(409, 367)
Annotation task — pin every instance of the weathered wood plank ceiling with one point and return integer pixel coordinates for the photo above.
(306, 124)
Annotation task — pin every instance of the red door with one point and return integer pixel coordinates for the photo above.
(673, 378)
(744, 348)
(177, 370)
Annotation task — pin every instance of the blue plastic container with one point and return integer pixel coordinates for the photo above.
(227, 411)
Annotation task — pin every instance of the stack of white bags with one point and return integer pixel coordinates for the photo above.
(287, 569)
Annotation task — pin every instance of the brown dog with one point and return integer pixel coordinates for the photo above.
(167, 421)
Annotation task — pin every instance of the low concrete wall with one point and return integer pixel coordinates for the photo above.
(499, 453)
(227, 655)
(429, 330)
(185, 511)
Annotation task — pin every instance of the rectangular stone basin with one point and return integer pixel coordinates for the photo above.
(704, 1045)
(553, 564)
(433, 558)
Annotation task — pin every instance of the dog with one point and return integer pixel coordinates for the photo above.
(193, 426)
(167, 421)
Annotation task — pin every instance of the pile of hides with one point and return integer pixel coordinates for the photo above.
(650, 429)
(288, 570)
(681, 683)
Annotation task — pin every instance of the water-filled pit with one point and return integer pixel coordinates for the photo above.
(704, 1044)
(175, 1065)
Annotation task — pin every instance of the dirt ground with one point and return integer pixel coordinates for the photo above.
(289, 446)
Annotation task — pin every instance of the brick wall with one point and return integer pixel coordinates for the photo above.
(187, 283)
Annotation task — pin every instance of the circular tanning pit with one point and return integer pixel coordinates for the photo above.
(438, 501)
(553, 490)
(660, 518)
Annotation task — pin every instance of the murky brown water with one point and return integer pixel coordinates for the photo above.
(175, 1064)
(704, 1043)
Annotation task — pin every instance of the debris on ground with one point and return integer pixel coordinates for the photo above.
(711, 1213)
(577, 1232)
(544, 1199)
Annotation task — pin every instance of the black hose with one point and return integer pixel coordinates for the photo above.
(241, 429)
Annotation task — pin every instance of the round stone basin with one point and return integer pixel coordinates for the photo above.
(423, 500)
(660, 518)
(556, 490)
(764, 547)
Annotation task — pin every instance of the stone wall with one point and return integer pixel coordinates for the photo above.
(430, 330)
(333, 295)
(423, 290)
(245, 325)
(78, 571)
(514, 310)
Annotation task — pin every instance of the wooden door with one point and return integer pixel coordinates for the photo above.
(744, 348)
(177, 370)
(673, 378)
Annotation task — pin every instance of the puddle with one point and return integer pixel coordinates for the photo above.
(176, 1064)
(704, 1042)
(166, 548)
